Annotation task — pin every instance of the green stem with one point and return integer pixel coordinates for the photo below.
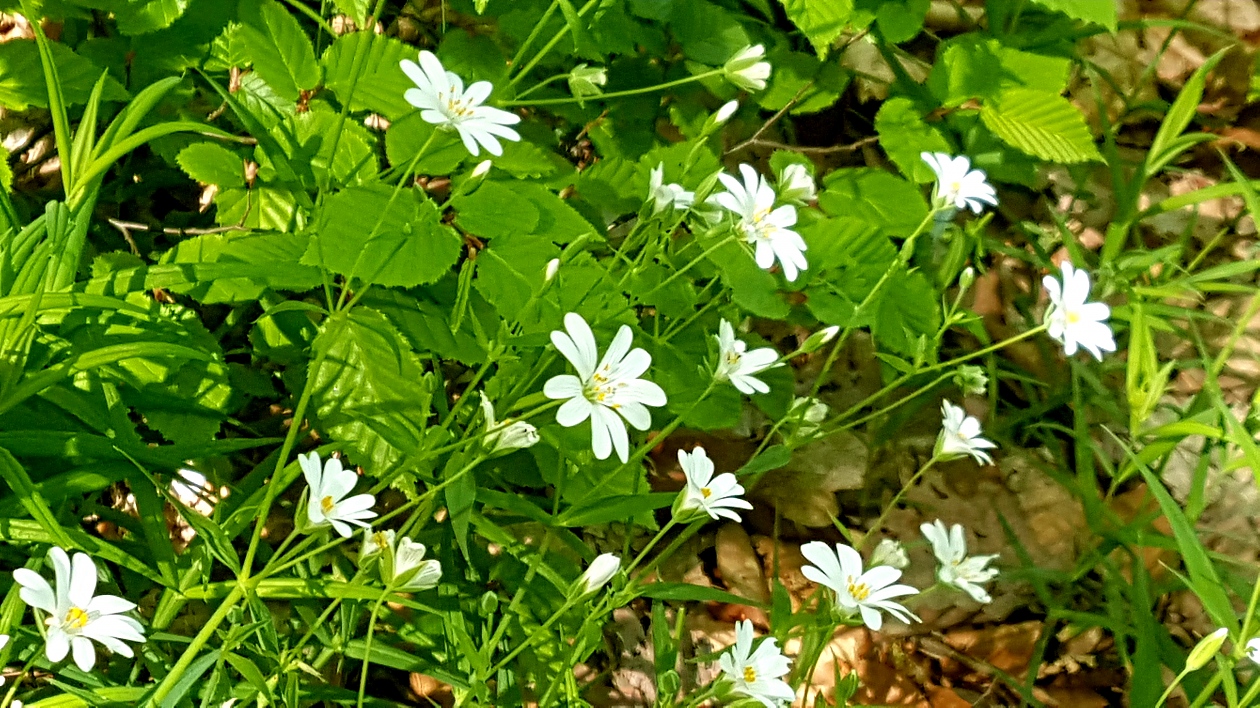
(532, 637)
(614, 94)
(895, 500)
(1168, 691)
(651, 544)
(678, 541)
(533, 34)
(540, 84)
(367, 645)
(551, 43)
(198, 643)
(677, 274)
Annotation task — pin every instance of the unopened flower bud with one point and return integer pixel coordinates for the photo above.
(971, 380)
(482, 169)
(601, 570)
(891, 553)
(411, 572)
(819, 338)
(1207, 648)
(967, 278)
(747, 70)
(725, 112)
(553, 266)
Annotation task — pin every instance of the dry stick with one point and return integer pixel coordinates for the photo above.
(825, 150)
(773, 119)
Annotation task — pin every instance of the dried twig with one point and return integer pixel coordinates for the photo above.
(126, 227)
(825, 150)
(773, 119)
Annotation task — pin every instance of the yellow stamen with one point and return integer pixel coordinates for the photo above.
(327, 504)
(750, 674)
(706, 492)
(76, 618)
(381, 540)
(859, 591)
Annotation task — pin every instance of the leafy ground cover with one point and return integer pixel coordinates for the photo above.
(628, 352)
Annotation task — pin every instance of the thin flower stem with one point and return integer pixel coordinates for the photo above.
(651, 544)
(895, 500)
(615, 94)
(568, 603)
(1250, 696)
(540, 84)
(678, 541)
(17, 681)
(677, 274)
(367, 645)
(538, 28)
(551, 43)
(197, 644)
(1168, 691)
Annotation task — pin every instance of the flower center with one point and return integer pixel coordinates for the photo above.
(600, 389)
(1073, 317)
(327, 504)
(859, 591)
(380, 539)
(954, 187)
(76, 618)
(706, 492)
(733, 358)
(750, 674)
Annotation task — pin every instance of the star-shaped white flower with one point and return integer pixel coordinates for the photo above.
(955, 568)
(76, 617)
(762, 225)
(505, 436)
(757, 674)
(960, 435)
(1074, 322)
(605, 390)
(326, 501)
(796, 184)
(662, 195)
(715, 496)
(868, 593)
(443, 101)
(412, 573)
(737, 365)
(747, 70)
(958, 185)
(376, 544)
(1253, 650)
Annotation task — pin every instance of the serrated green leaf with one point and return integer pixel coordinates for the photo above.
(821, 20)
(306, 140)
(1096, 11)
(901, 20)
(267, 208)
(279, 49)
(409, 134)
(144, 16)
(970, 67)
(228, 50)
(368, 233)
(875, 196)
(381, 83)
(494, 210)
(210, 163)
(266, 260)
(904, 135)
(1041, 124)
(356, 9)
(905, 309)
(708, 33)
(752, 288)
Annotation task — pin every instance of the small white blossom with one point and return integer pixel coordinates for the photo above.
(955, 567)
(326, 501)
(725, 112)
(662, 195)
(747, 70)
(738, 365)
(605, 390)
(796, 184)
(412, 573)
(553, 267)
(376, 543)
(715, 496)
(599, 572)
(891, 553)
(868, 593)
(443, 101)
(503, 437)
(757, 674)
(482, 169)
(810, 414)
(76, 615)
(1074, 322)
(1253, 650)
(957, 185)
(762, 225)
(960, 435)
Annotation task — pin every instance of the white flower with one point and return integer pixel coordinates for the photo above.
(819, 338)
(737, 365)
(890, 552)
(757, 674)
(746, 69)
(482, 169)
(958, 185)
(715, 496)
(503, 436)
(76, 618)
(960, 435)
(663, 195)
(600, 571)
(412, 573)
(796, 184)
(1072, 321)
(725, 112)
(442, 100)
(326, 502)
(376, 543)
(810, 414)
(866, 593)
(762, 225)
(955, 567)
(605, 392)
(1253, 650)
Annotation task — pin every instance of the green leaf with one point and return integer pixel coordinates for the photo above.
(210, 163)
(20, 483)
(822, 21)
(1096, 11)
(1165, 148)
(22, 76)
(904, 135)
(801, 77)
(306, 139)
(686, 592)
(901, 20)
(874, 196)
(971, 67)
(381, 81)
(371, 392)
(708, 33)
(905, 309)
(279, 49)
(267, 208)
(147, 16)
(1041, 124)
(494, 210)
(409, 134)
(614, 508)
(356, 9)
(752, 288)
(247, 264)
(371, 234)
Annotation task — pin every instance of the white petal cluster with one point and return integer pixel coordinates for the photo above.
(402, 565)
(869, 593)
(443, 101)
(662, 196)
(757, 673)
(505, 436)
(738, 365)
(747, 70)
(76, 615)
(957, 185)
(955, 567)
(890, 552)
(715, 496)
(960, 435)
(796, 184)
(598, 573)
(326, 501)
(605, 390)
(1071, 320)
(766, 228)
